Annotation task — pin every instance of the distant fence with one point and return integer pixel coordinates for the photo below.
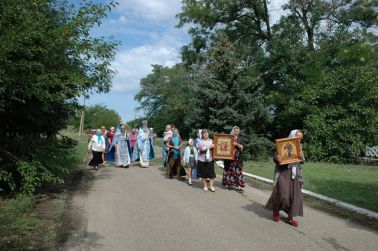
(371, 152)
(371, 156)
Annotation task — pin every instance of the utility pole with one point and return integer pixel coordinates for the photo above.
(81, 127)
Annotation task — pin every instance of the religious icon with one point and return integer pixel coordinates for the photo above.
(224, 146)
(288, 149)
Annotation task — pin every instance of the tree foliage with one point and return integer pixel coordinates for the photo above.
(314, 69)
(47, 60)
(97, 116)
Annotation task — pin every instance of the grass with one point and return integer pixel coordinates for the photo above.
(17, 221)
(80, 149)
(355, 184)
(28, 223)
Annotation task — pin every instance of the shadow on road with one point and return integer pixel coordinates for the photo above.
(335, 244)
(259, 210)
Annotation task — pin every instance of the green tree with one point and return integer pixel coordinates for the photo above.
(230, 93)
(341, 113)
(97, 116)
(47, 59)
(164, 97)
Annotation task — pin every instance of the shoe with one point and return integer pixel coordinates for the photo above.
(190, 183)
(276, 216)
(212, 189)
(291, 222)
(205, 189)
(239, 190)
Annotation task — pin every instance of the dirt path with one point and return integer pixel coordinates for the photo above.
(139, 209)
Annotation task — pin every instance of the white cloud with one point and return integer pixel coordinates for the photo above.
(120, 20)
(276, 11)
(134, 64)
(150, 10)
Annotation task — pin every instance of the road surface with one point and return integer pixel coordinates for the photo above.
(139, 209)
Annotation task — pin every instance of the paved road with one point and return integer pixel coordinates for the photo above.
(138, 209)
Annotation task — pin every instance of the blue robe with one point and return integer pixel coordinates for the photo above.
(143, 147)
(122, 155)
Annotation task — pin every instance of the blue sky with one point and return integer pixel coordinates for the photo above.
(146, 29)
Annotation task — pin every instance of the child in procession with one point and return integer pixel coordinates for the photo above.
(190, 159)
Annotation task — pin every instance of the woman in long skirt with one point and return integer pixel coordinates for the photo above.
(174, 164)
(233, 169)
(97, 145)
(205, 161)
(287, 194)
(110, 151)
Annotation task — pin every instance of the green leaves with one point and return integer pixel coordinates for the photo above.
(97, 116)
(341, 114)
(47, 59)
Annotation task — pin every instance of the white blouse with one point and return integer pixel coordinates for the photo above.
(95, 145)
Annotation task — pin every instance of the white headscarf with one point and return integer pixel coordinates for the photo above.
(200, 133)
(293, 133)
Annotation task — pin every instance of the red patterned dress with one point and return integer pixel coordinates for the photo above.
(233, 169)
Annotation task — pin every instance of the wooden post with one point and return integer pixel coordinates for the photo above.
(81, 127)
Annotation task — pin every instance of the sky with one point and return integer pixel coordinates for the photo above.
(146, 30)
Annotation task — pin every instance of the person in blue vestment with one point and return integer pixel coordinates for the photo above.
(143, 149)
(122, 148)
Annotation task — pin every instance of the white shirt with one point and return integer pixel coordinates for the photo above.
(95, 145)
(204, 149)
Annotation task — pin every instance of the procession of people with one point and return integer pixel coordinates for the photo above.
(120, 147)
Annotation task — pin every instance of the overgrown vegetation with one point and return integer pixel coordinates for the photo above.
(47, 60)
(314, 69)
(31, 222)
(17, 220)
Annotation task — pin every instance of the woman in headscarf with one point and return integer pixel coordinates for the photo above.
(110, 152)
(205, 161)
(143, 149)
(175, 167)
(97, 145)
(287, 194)
(122, 151)
(166, 135)
(233, 169)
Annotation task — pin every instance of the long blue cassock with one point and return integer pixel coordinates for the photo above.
(144, 146)
(122, 155)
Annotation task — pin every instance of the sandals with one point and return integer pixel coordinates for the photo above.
(292, 222)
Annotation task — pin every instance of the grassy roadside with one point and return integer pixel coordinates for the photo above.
(316, 204)
(354, 184)
(28, 223)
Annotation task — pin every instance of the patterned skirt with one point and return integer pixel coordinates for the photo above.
(233, 175)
